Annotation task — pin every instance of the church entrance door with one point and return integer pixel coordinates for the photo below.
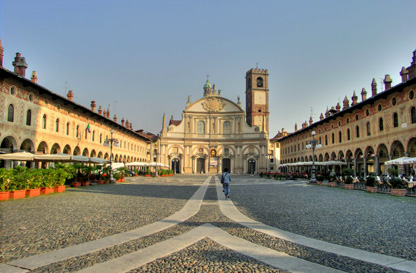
(251, 166)
(200, 165)
(226, 163)
(175, 165)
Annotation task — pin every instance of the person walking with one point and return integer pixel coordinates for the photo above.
(225, 180)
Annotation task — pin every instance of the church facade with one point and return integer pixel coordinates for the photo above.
(216, 133)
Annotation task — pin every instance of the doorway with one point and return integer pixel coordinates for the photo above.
(200, 165)
(175, 165)
(226, 163)
(251, 166)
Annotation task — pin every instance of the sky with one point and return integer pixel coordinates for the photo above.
(144, 58)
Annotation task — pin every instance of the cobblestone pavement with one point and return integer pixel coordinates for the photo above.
(372, 222)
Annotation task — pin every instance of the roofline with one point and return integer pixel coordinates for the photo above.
(382, 95)
(5, 73)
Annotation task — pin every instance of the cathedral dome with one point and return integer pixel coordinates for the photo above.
(207, 85)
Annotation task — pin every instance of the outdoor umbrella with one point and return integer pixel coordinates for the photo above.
(21, 156)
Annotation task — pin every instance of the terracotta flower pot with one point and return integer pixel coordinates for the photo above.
(100, 182)
(332, 184)
(371, 189)
(76, 184)
(349, 186)
(19, 194)
(4, 195)
(33, 192)
(147, 175)
(85, 183)
(398, 192)
(106, 181)
(60, 188)
(47, 190)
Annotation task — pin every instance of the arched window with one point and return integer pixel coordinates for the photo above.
(381, 124)
(101, 138)
(10, 113)
(201, 128)
(395, 120)
(44, 121)
(93, 135)
(413, 115)
(28, 118)
(57, 125)
(77, 132)
(340, 137)
(357, 131)
(326, 140)
(67, 128)
(226, 128)
(348, 134)
(333, 138)
(368, 129)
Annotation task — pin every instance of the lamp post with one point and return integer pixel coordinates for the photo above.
(313, 144)
(110, 142)
(156, 155)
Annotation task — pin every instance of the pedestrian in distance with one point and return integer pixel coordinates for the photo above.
(225, 180)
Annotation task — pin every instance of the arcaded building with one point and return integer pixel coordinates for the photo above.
(216, 133)
(37, 120)
(363, 135)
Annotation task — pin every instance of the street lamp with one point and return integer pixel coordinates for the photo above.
(110, 142)
(156, 155)
(313, 144)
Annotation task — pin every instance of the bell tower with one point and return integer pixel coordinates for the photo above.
(257, 98)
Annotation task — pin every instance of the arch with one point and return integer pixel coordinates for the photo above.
(77, 151)
(67, 149)
(326, 157)
(321, 158)
(411, 147)
(369, 151)
(251, 168)
(397, 149)
(93, 153)
(27, 146)
(340, 155)
(56, 149)
(116, 158)
(42, 148)
(175, 165)
(85, 152)
(358, 153)
(8, 144)
(106, 156)
(100, 155)
(10, 113)
(333, 156)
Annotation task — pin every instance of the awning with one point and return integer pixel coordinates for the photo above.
(53, 157)
(138, 164)
(401, 161)
(21, 156)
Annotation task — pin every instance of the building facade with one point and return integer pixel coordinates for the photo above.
(363, 135)
(213, 133)
(36, 120)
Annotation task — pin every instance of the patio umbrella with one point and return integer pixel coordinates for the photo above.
(53, 157)
(80, 158)
(139, 164)
(399, 161)
(98, 160)
(21, 156)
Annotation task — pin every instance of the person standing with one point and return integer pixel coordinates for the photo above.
(225, 180)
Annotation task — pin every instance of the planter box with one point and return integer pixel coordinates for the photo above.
(147, 175)
(33, 192)
(60, 188)
(76, 184)
(398, 192)
(4, 195)
(106, 181)
(47, 190)
(371, 189)
(349, 186)
(332, 184)
(85, 183)
(100, 182)
(320, 182)
(19, 194)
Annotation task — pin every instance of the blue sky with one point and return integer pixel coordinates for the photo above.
(144, 58)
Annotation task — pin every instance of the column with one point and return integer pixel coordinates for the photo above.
(377, 168)
(365, 166)
(355, 166)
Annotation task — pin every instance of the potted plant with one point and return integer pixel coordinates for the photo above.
(147, 173)
(100, 179)
(332, 179)
(48, 181)
(18, 183)
(397, 187)
(60, 176)
(34, 179)
(5, 179)
(371, 184)
(348, 183)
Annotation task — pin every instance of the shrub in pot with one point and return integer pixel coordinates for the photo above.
(371, 181)
(397, 187)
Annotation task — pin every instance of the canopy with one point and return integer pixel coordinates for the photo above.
(140, 164)
(52, 157)
(317, 163)
(21, 156)
(98, 160)
(80, 158)
(401, 161)
(157, 164)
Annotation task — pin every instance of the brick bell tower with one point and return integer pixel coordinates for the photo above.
(257, 98)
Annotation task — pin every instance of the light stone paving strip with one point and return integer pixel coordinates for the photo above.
(190, 209)
(229, 210)
(263, 254)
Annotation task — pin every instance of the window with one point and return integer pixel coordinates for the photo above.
(413, 115)
(395, 120)
(348, 134)
(326, 140)
(367, 112)
(411, 95)
(379, 107)
(226, 128)
(67, 128)
(30, 97)
(357, 131)
(340, 137)
(348, 120)
(28, 118)
(57, 125)
(86, 132)
(368, 129)
(381, 124)
(77, 132)
(356, 117)
(44, 122)
(10, 113)
(333, 138)
(93, 135)
(201, 128)
(13, 91)
(101, 138)
(393, 101)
